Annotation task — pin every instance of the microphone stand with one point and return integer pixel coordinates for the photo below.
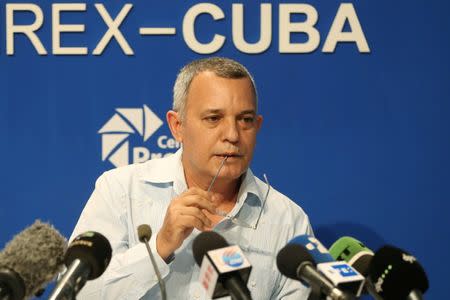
(162, 286)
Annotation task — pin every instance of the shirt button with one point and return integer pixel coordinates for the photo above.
(253, 283)
(196, 295)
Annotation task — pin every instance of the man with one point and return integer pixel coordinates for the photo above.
(215, 119)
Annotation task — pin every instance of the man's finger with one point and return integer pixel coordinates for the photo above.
(191, 221)
(197, 201)
(196, 212)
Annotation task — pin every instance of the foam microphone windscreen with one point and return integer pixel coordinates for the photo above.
(395, 273)
(206, 241)
(290, 257)
(36, 255)
(94, 249)
(144, 233)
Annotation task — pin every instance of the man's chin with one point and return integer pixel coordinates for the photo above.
(232, 173)
(232, 168)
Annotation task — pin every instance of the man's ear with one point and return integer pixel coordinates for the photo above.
(174, 122)
(259, 120)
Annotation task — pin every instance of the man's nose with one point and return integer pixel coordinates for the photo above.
(231, 131)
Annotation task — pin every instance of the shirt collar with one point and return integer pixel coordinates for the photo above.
(162, 170)
(249, 186)
(249, 201)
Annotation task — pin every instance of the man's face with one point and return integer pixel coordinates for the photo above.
(220, 120)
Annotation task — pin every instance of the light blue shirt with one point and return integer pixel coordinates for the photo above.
(138, 194)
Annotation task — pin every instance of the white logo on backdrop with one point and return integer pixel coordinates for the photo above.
(126, 122)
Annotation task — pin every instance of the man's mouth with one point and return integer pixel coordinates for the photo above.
(229, 155)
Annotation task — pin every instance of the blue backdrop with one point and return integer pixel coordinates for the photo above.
(360, 140)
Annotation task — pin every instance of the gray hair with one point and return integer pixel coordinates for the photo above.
(221, 66)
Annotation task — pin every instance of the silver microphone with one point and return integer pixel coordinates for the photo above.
(144, 234)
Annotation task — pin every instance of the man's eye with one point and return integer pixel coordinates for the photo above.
(249, 119)
(212, 119)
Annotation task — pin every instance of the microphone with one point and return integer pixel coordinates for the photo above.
(86, 258)
(295, 261)
(30, 261)
(396, 274)
(354, 252)
(357, 255)
(224, 270)
(144, 234)
(315, 248)
(341, 274)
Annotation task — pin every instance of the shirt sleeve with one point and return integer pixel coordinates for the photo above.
(130, 273)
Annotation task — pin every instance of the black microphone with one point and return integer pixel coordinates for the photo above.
(294, 261)
(397, 275)
(30, 261)
(224, 270)
(144, 234)
(86, 258)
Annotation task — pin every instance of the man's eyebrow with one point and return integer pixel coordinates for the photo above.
(248, 112)
(212, 111)
(219, 111)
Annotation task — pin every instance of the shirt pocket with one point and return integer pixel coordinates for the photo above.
(261, 249)
(263, 277)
